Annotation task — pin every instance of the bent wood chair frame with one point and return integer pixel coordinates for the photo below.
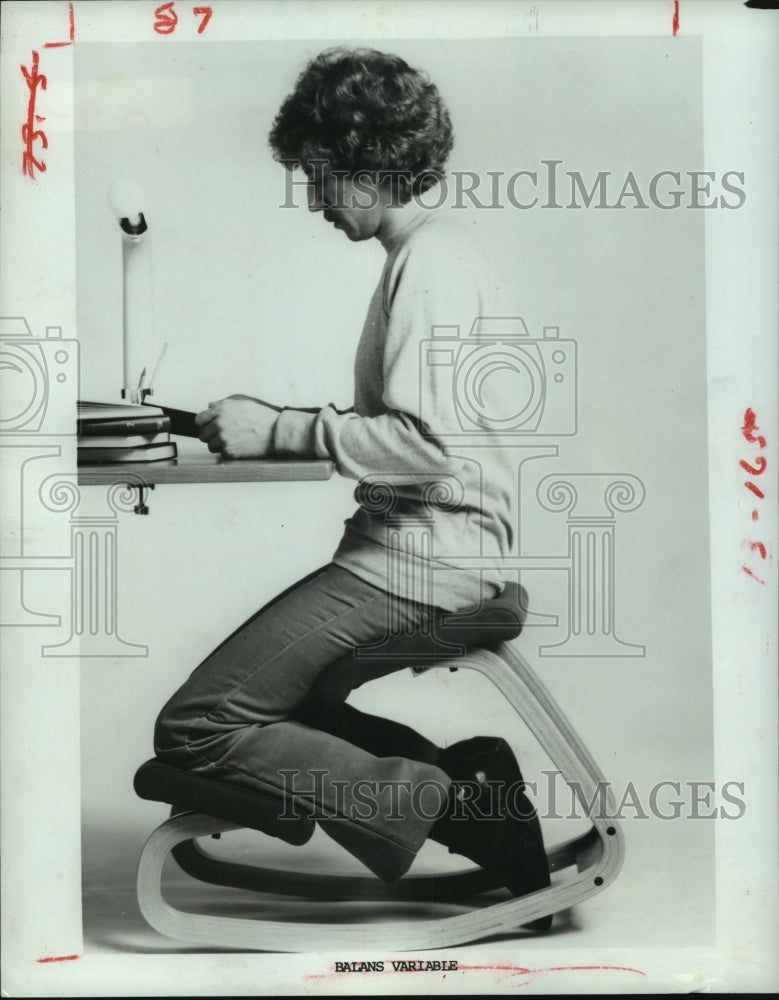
(581, 867)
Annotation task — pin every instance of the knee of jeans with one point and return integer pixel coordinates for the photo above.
(174, 728)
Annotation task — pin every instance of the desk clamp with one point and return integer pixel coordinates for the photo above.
(141, 507)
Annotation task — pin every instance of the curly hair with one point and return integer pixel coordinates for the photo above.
(365, 111)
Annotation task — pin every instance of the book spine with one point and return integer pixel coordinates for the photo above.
(147, 453)
(122, 440)
(115, 428)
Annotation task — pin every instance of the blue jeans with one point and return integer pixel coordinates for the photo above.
(266, 710)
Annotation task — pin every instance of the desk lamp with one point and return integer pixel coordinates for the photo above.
(126, 199)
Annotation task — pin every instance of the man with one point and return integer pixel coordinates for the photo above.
(372, 135)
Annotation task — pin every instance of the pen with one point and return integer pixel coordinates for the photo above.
(153, 379)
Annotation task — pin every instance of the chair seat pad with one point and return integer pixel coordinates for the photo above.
(257, 810)
(453, 633)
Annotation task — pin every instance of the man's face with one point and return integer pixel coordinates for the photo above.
(356, 205)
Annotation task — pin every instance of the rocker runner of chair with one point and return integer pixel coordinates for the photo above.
(477, 640)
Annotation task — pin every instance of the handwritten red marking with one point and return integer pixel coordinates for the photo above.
(551, 968)
(206, 12)
(167, 19)
(754, 576)
(756, 490)
(675, 24)
(59, 958)
(71, 36)
(750, 425)
(756, 470)
(749, 431)
(31, 135)
(510, 970)
(528, 973)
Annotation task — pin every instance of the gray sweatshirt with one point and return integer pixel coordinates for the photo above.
(432, 488)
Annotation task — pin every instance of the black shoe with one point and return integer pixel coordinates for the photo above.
(490, 819)
(482, 759)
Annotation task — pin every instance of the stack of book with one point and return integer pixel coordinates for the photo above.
(119, 432)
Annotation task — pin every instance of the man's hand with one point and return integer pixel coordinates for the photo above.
(238, 427)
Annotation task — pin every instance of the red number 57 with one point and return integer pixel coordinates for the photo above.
(167, 18)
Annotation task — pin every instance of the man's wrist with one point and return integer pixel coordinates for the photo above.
(293, 432)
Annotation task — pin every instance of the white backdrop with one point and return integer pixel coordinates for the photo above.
(252, 298)
(269, 301)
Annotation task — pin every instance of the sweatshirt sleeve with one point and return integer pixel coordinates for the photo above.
(432, 282)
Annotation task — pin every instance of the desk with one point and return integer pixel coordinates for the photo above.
(94, 529)
(196, 464)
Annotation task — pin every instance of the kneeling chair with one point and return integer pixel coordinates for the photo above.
(579, 867)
